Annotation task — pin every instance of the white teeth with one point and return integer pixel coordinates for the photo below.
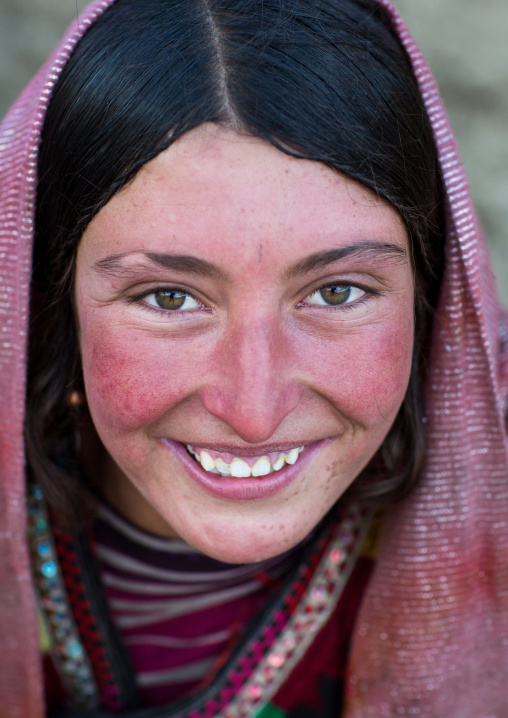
(239, 468)
(222, 467)
(279, 463)
(262, 467)
(292, 456)
(206, 461)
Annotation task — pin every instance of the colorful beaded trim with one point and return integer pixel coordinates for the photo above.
(314, 610)
(85, 611)
(66, 646)
(266, 662)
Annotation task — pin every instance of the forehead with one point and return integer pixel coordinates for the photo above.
(215, 190)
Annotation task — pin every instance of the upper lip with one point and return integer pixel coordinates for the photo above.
(258, 450)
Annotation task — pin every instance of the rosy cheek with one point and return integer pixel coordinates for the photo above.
(365, 373)
(131, 380)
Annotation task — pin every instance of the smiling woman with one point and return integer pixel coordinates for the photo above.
(270, 329)
(245, 339)
(249, 89)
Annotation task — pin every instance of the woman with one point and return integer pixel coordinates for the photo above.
(238, 255)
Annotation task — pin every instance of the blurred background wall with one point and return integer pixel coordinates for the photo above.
(464, 41)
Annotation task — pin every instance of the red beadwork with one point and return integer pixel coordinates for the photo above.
(255, 691)
(276, 659)
(85, 620)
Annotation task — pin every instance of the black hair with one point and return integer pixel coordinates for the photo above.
(326, 80)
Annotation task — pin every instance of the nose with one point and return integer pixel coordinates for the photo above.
(252, 388)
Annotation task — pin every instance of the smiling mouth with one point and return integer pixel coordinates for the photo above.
(227, 465)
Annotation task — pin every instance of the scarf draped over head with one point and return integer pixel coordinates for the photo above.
(432, 636)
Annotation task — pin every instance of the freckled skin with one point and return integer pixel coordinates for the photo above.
(253, 363)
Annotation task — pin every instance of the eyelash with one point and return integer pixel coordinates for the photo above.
(140, 299)
(348, 306)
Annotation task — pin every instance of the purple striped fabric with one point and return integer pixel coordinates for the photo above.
(179, 612)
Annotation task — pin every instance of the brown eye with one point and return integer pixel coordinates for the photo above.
(172, 299)
(335, 295)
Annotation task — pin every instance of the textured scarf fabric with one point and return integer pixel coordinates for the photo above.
(432, 637)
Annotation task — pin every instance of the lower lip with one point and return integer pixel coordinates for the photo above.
(243, 489)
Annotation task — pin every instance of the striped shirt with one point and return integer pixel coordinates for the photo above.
(178, 611)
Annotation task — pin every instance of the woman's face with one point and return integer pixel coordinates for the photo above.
(245, 304)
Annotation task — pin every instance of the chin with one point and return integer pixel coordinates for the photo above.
(253, 553)
(239, 545)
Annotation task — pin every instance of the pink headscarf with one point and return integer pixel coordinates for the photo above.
(432, 636)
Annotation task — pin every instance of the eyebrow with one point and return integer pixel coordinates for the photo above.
(113, 265)
(369, 249)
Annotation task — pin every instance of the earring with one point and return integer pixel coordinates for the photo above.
(75, 399)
